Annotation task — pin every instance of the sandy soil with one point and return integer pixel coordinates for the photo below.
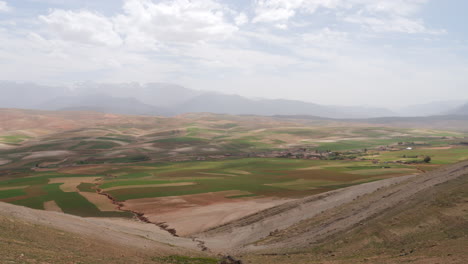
(48, 154)
(190, 214)
(52, 206)
(71, 184)
(102, 202)
(150, 185)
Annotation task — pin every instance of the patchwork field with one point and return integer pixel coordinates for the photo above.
(197, 171)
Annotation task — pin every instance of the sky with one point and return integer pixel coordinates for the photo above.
(386, 53)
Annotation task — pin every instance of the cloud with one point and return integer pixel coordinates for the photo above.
(391, 24)
(4, 7)
(82, 26)
(393, 7)
(145, 24)
(376, 15)
(283, 10)
(324, 47)
(241, 19)
(180, 21)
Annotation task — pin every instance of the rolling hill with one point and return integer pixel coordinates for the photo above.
(164, 99)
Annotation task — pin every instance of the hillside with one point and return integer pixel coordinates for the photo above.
(361, 224)
(418, 219)
(424, 226)
(29, 236)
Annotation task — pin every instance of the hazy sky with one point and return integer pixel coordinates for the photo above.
(350, 52)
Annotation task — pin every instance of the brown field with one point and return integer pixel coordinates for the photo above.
(71, 184)
(52, 206)
(48, 154)
(101, 201)
(190, 214)
(150, 185)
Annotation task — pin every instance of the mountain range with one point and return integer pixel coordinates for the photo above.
(169, 99)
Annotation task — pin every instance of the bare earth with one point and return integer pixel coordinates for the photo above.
(101, 201)
(47, 154)
(150, 185)
(71, 184)
(4, 161)
(129, 233)
(190, 214)
(52, 206)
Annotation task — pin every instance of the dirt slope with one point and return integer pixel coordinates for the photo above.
(299, 223)
(123, 233)
(426, 228)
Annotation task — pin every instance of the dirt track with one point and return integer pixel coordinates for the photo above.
(299, 223)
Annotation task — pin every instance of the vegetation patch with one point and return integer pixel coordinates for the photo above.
(86, 187)
(11, 193)
(13, 139)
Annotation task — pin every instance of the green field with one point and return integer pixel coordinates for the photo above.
(13, 139)
(255, 176)
(245, 157)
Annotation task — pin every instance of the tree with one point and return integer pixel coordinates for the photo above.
(427, 159)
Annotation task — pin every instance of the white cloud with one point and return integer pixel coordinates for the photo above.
(391, 24)
(82, 26)
(283, 10)
(394, 7)
(377, 15)
(4, 7)
(241, 19)
(181, 21)
(145, 24)
(325, 38)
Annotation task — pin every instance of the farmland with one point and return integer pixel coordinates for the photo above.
(232, 166)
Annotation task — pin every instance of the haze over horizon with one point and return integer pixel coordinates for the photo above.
(377, 53)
